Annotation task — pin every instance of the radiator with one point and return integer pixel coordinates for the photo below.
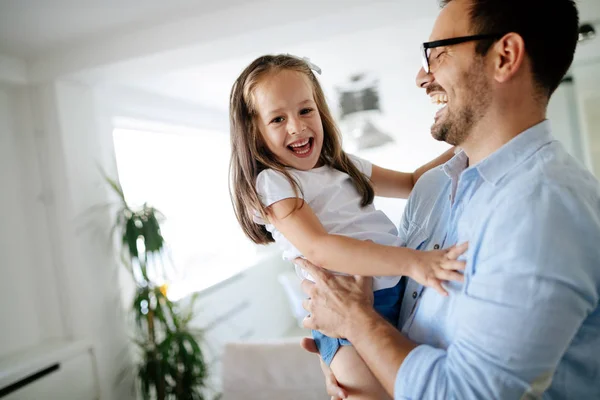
(58, 370)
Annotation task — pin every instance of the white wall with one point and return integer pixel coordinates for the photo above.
(564, 117)
(23, 242)
(58, 271)
(74, 145)
(131, 103)
(249, 306)
(574, 106)
(13, 70)
(591, 112)
(585, 72)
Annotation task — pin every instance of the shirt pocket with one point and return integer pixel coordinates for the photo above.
(492, 286)
(417, 239)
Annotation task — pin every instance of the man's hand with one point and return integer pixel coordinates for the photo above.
(334, 299)
(342, 306)
(334, 389)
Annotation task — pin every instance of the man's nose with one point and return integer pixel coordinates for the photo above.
(423, 78)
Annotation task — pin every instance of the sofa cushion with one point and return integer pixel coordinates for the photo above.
(278, 369)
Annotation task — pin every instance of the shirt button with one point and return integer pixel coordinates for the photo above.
(436, 247)
(414, 295)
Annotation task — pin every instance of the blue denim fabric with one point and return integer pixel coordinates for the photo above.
(387, 302)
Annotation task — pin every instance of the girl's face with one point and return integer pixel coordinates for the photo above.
(288, 119)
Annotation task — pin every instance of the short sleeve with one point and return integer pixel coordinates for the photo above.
(363, 165)
(272, 186)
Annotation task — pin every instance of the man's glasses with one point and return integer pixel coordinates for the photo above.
(427, 46)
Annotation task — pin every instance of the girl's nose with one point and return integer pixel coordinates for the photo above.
(295, 126)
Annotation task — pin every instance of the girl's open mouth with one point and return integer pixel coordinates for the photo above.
(302, 148)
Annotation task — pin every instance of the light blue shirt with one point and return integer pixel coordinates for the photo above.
(526, 321)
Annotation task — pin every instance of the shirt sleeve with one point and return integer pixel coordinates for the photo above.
(531, 281)
(407, 217)
(363, 165)
(272, 186)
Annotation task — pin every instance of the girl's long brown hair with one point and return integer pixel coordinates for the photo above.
(249, 153)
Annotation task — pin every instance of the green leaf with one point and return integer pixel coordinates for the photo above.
(113, 184)
(130, 237)
(172, 364)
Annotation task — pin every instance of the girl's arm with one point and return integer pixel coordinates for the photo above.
(299, 224)
(389, 183)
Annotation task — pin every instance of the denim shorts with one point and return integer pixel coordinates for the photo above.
(387, 304)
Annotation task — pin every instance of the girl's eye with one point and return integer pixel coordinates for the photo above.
(305, 111)
(277, 120)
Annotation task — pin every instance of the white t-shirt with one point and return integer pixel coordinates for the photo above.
(336, 202)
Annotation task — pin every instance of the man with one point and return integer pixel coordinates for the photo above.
(526, 322)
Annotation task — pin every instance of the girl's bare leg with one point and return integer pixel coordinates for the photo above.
(355, 377)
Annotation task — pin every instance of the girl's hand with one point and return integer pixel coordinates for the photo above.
(436, 266)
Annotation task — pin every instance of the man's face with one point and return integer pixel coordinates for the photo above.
(458, 80)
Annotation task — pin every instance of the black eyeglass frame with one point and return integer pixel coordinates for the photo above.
(449, 42)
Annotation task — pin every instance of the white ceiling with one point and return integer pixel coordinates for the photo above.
(391, 50)
(354, 36)
(364, 35)
(29, 28)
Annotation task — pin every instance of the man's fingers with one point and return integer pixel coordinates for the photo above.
(364, 281)
(309, 345)
(309, 323)
(307, 287)
(316, 272)
(340, 394)
(306, 304)
(331, 383)
(457, 250)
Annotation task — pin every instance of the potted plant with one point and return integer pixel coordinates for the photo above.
(171, 362)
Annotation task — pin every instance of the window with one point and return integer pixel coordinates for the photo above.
(183, 173)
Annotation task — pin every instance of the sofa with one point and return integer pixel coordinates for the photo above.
(277, 369)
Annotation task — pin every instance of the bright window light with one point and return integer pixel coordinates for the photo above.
(184, 174)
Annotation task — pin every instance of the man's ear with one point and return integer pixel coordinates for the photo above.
(509, 55)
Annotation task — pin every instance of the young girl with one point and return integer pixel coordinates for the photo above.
(293, 184)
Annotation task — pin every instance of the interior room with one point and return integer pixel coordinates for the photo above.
(102, 96)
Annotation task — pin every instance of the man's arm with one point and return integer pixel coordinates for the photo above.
(381, 346)
(341, 306)
(521, 304)
(519, 312)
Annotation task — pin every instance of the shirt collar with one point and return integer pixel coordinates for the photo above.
(456, 165)
(513, 153)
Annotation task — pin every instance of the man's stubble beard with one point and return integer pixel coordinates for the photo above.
(457, 126)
